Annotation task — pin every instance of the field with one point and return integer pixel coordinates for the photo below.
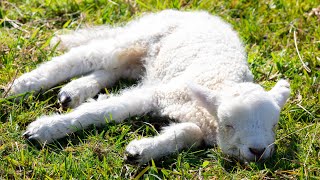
(282, 38)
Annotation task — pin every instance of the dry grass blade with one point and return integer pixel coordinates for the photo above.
(296, 45)
(8, 88)
(306, 110)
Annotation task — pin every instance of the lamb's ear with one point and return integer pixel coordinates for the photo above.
(205, 97)
(280, 92)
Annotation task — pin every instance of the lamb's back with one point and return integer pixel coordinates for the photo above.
(199, 47)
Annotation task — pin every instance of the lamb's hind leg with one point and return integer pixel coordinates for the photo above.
(79, 90)
(77, 61)
(97, 55)
(128, 65)
(83, 36)
(130, 103)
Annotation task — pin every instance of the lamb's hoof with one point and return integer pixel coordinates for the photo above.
(140, 151)
(31, 140)
(64, 99)
(131, 158)
(283, 83)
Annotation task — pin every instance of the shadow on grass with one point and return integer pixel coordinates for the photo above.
(194, 157)
(136, 124)
(26, 103)
(185, 161)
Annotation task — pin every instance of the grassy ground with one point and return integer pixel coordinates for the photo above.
(273, 31)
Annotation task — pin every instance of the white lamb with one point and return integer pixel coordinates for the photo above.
(191, 68)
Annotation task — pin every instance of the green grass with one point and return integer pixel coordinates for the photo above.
(266, 27)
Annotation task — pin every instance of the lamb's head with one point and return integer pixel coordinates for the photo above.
(247, 117)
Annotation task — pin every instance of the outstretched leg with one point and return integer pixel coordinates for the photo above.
(109, 55)
(83, 36)
(172, 139)
(130, 103)
(147, 24)
(79, 90)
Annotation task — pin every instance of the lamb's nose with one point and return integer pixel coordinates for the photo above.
(257, 151)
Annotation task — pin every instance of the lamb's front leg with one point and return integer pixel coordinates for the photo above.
(172, 139)
(83, 36)
(130, 103)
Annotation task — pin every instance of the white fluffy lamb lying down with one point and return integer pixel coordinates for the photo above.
(192, 68)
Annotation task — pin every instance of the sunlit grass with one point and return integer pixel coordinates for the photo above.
(267, 28)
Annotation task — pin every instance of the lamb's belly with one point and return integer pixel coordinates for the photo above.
(172, 62)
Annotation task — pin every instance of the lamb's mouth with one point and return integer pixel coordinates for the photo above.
(238, 155)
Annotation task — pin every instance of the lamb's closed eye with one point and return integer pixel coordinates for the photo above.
(229, 126)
